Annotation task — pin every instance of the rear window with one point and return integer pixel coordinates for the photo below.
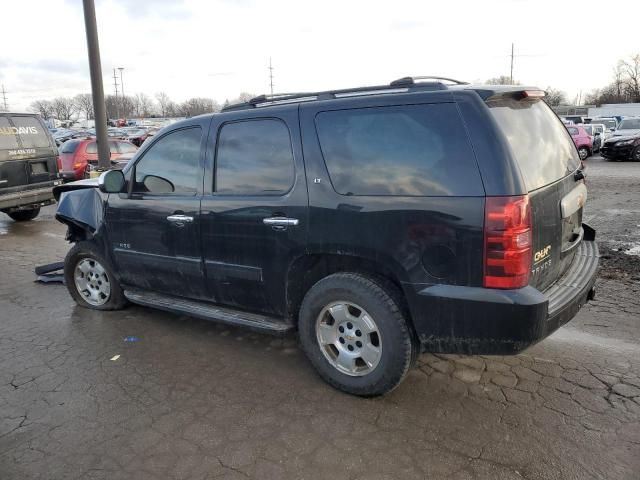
(92, 147)
(31, 132)
(409, 150)
(539, 141)
(127, 147)
(8, 138)
(70, 146)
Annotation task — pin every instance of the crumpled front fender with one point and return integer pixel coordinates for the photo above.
(83, 211)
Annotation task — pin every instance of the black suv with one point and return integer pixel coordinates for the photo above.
(28, 168)
(424, 215)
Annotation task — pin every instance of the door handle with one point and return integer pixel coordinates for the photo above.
(280, 221)
(179, 219)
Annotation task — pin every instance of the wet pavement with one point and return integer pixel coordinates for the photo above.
(191, 399)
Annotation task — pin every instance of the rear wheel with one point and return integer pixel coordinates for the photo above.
(90, 279)
(583, 152)
(636, 155)
(355, 334)
(25, 215)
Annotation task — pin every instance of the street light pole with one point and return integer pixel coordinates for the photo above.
(97, 90)
(124, 99)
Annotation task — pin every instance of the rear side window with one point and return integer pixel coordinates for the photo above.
(70, 146)
(8, 138)
(539, 141)
(254, 158)
(409, 150)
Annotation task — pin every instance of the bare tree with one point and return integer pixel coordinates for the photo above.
(198, 106)
(632, 73)
(84, 104)
(618, 78)
(43, 107)
(143, 105)
(501, 80)
(555, 97)
(164, 103)
(63, 108)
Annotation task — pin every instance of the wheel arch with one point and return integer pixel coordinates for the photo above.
(308, 269)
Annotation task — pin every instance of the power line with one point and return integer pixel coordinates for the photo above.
(271, 76)
(4, 98)
(115, 86)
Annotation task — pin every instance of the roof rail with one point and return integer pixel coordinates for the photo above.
(283, 98)
(406, 81)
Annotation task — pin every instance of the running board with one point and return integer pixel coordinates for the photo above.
(206, 311)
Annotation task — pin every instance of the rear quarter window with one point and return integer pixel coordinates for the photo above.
(540, 143)
(406, 150)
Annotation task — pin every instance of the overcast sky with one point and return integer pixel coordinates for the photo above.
(218, 48)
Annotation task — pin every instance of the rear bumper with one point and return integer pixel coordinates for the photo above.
(27, 198)
(474, 320)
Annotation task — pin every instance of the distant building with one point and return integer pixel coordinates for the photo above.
(572, 110)
(611, 109)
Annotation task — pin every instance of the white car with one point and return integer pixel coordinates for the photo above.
(628, 127)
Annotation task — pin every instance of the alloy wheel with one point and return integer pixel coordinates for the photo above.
(92, 281)
(349, 338)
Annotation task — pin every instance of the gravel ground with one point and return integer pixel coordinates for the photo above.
(192, 399)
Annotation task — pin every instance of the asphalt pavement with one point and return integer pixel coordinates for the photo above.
(143, 394)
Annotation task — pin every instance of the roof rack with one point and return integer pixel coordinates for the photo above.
(412, 80)
(401, 85)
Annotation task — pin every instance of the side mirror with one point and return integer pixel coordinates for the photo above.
(597, 134)
(111, 181)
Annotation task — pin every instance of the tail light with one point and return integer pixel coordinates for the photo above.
(507, 242)
(59, 163)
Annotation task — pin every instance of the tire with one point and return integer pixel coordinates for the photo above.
(25, 215)
(374, 327)
(84, 266)
(635, 156)
(583, 152)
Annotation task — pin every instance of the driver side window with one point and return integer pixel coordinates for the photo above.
(171, 165)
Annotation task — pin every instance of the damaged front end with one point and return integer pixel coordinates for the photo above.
(81, 208)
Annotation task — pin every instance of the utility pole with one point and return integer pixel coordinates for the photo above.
(4, 99)
(271, 76)
(115, 86)
(124, 99)
(97, 90)
(511, 76)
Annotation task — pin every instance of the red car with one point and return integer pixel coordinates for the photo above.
(582, 139)
(77, 154)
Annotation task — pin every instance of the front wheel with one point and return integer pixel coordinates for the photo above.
(583, 152)
(90, 279)
(355, 334)
(635, 156)
(25, 215)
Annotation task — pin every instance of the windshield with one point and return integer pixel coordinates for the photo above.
(539, 141)
(608, 123)
(630, 124)
(598, 128)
